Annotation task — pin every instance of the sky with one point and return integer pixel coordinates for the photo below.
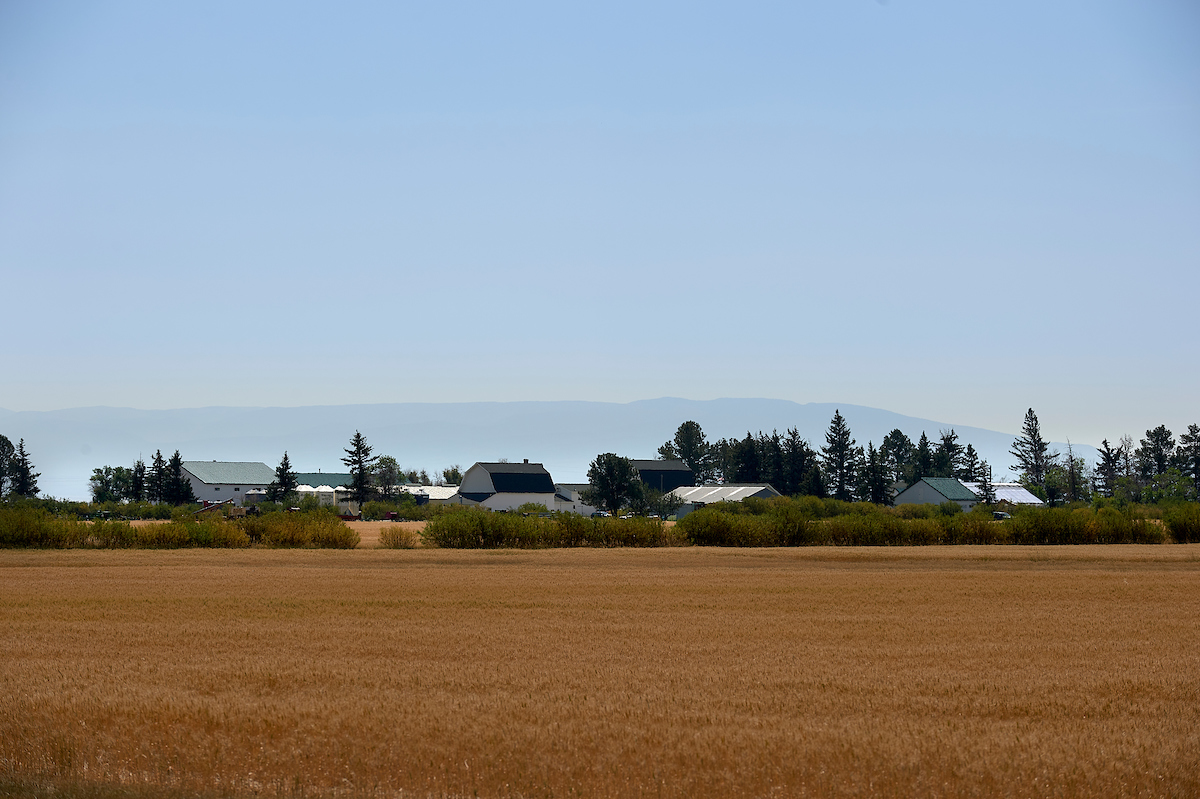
(949, 210)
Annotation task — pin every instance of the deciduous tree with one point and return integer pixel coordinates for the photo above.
(613, 481)
(691, 447)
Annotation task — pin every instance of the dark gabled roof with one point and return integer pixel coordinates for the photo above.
(660, 465)
(475, 497)
(519, 478)
(951, 489)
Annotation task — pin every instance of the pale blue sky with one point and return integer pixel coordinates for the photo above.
(949, 210)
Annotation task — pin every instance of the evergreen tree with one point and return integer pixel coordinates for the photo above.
(744, 457)
(1030, 450)
(452, 475)
(947, 458)
(1188, 456)
(1155, 453)
(24, 478)
(156, 482)
(922, 465)
(897, 452)
(691, 447)
(7, 454)
(137, 481)
(770, 459)
(177, 489)
(1108, 469)
(799, 463)
(970, 466)
(986, 491)
(285, 481)
(838, 457)
(358, 458)
(876, 479)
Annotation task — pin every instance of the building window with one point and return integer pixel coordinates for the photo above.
(238, 488)
(216, 488)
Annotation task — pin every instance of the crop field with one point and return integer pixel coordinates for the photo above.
(933, 671)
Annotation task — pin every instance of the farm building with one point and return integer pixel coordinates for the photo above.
(696, 497)
(218, 481)
(1012, 493)
(664, 475)
(507, 486)
(937, 490)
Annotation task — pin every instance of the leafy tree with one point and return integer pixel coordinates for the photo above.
(359, 459)
(7, 454)
(24, 478)
(111, 484)
(652, 501)
(177, 489)
(1155, 453)
(388, 476)
(285, 482)
(452, 475)
(614, 483)
(1188, 456)
(1030, 450)
(838, 457)
(691, 447)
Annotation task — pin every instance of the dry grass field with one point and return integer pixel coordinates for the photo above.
(938, 672)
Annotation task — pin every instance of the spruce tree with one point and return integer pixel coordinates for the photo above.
(876, 482)
(922, 465)
(746, 465)
(156, 481)
(24, 478)
(137, 481)
(969, 472)
(358, 458)
(177, 488)
(7, 452)
(1155, 453)
(284, 482)
(799, 460)
(838, 457)
(1188, 456)
(985, 490)
(897, 452)
(1030, 450)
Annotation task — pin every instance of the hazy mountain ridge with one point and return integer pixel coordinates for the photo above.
(67, 444)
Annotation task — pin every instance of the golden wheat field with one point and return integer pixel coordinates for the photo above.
(937, 672)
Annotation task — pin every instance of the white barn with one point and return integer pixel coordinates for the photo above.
(220, 481)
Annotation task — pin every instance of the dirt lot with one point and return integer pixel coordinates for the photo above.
(967, 671)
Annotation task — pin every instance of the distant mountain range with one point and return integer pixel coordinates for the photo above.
(65, 445)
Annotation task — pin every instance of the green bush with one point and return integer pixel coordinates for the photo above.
(29, 525)
(1183, 523)
(476, 528)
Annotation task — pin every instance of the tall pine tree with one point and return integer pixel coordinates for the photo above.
(1031, 452)
(358, 458)
(838, 457)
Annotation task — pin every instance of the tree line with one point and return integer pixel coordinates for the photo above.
(840, 469)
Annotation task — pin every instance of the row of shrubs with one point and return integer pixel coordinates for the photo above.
(473, 528)
(36, 527)
(809, 521)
